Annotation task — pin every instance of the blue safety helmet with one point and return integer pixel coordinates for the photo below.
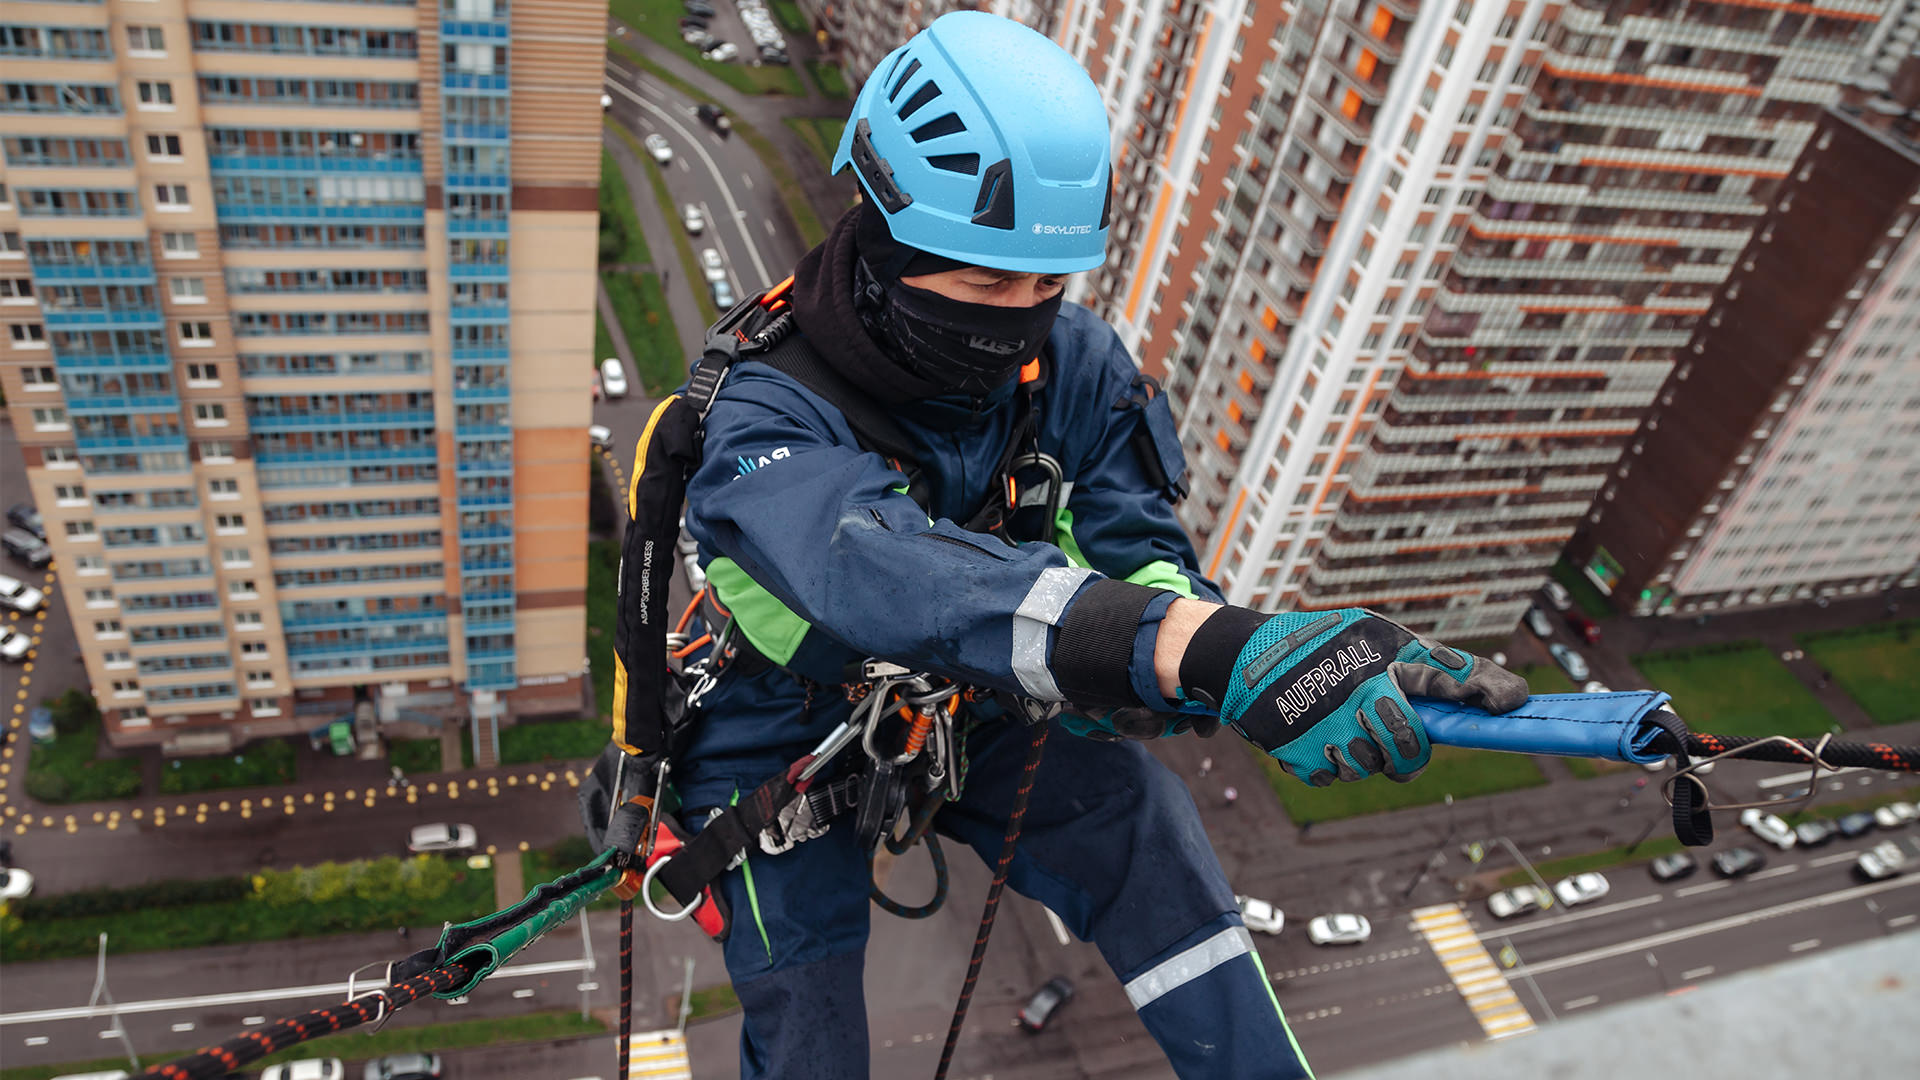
(985, 142)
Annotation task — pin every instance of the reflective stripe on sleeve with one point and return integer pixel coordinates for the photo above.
(1042, 608)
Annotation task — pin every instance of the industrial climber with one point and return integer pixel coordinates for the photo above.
(1023, 540)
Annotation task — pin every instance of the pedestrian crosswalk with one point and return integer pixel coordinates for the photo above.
(659, 1055)
(1474, 973)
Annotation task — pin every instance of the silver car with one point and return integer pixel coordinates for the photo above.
(20, 596)
(442, 837)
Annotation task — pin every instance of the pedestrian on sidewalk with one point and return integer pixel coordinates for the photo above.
(1232, 794)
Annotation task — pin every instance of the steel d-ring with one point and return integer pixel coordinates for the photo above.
(646, 895)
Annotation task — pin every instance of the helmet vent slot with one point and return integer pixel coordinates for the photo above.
(894, 94)
(994, 207)
(948, 124)
(927, 92)
(968, 164)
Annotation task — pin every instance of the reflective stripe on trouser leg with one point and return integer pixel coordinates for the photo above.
(1209, 1005)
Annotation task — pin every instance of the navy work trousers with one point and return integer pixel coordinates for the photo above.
(1111, 843)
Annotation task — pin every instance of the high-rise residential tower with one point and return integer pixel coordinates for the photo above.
(297, 302)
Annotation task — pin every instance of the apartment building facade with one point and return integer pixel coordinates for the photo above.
(1782, 460)
(296, 299)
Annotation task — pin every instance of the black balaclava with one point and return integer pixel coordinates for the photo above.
(959, 347)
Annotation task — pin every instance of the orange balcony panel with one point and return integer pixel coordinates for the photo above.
(1611, 163)
(1382, 22)
(1269, 318)
(1246, 380)
(1365, 65)
(1446, 493)
(1234, 412)
(1664, 84)
(1221, 440)
(1350, 105)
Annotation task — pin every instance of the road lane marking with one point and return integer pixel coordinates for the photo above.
(523, 992)
(1837, 857)
(1800, 777)
(748, 179)
(1479, 983)
(183, 1027)
(1624, 905)
(37, 1040)
(1581, 1003)
(1901, 920)
(1777, 871)
(660, 1055)
(1697, 973)
(1803, 946)
(1731, 922)
(1695, 890)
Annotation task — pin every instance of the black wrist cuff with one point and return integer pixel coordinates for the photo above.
(1093, 654)
(1208, 662)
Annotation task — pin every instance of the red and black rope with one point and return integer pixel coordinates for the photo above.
(1000, 868)
(1836, 753)
(214, 1062)
(626, 987)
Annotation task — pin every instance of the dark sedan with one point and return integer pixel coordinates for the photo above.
(1045, 1002)
(1738, 862)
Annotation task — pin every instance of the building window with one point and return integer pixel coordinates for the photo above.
(1487, 71)
(254, 650)
(224, 487)
(230, 524)
(242, 589)
(171, 197)
(1505, 29)
(1435, 196)
(39, 377)
(89, 564)
(236, 557)
(196, 334)
(99, 597)
(247, 620)
(28, 335)
(50, 418)
(16, 290)
(81, 529)
(10, 244)
(216, 451)
(60, 457)
(179, 245)
(163, 147)
(209, 414)
(126, 688)
(202, 374)
(117, 658)
(188, 290)
(107, 629)
(264, 706)
(70, 494)
(156, 95)
(146, 41)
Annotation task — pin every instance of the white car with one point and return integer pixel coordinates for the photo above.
(712, 265)
(15, 884)
(1260, 915)
(1517, 901)
(606, 102)
(1768, 827)
(14, 645)
(20, 596)
(1570, 662)
(1537, 622)
(1581, 889)
(1558, 596)
(311, 1069)
(442, 837)
(722, 52)
(693, 219)
(613, 378)
(1595, 686)
(600, 435)
(1896, 815)
(658, 146)
(1339, 929)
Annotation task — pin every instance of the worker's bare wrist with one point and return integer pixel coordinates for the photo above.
(1177, 628)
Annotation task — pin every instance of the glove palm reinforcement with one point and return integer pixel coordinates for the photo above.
(1325, 693)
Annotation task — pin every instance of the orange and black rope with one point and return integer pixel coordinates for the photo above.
(1836, 753)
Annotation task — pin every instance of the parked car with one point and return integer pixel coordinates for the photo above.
(20, 596)
(693, 218)
(693, 22)
(771, 55)
(606, 102)
(1517, 901)
(1260, 915)
(658, 146)
(26, 516)
(1537, 622)
(1813, 833)
(1045, 1002)
(1673, 866)
(716, 118)
(1738, 862)
(26, 547)
(712, 265)
(1889, 858)
(1339, 929)
(1768, 827)
(1581, 889)
(311, 1069)
(1583, 628)
(699, 38)
(442, 837)
(15, 884)
(1854, 825)
(1896, 815)
(1558, 596)
(14, 645)
(1595, 686)
(722, 52)
(613, 376)
(404, 1067)
(723, 297)
(600, 435)
(699, 7)
(1570, 662)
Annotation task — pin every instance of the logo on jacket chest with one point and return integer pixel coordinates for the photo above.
(748, 464)
(1323, 678)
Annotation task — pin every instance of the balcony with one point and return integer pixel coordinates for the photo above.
(307, 163)
(117, 404)
(119, 318)
(389, 454)
(93, 272)
(356, 648)
(130, 442)
(477, 313)
(465, 80)
(1389, 48)
(478, 271)
(348, 420)
(275, 212)
(470, 29)
(480, 395)
(72, 361)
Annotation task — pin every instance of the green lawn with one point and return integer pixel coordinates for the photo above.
(1585, 596)
(621, 240)
(262, 764)
(1545, 679)
(414, 755)
(788, 14)
(822, 134)
(458, 1035)
(331, 898)
(532, 741)
(829, 78)
(603, 582)
(1553, 871)
(795, 200)
(66, 770)
(1736, 689)
(660, 20)
(1460, 773)
(641, 306)
(1878, 667)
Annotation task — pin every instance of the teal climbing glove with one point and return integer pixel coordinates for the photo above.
(1324, 693)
